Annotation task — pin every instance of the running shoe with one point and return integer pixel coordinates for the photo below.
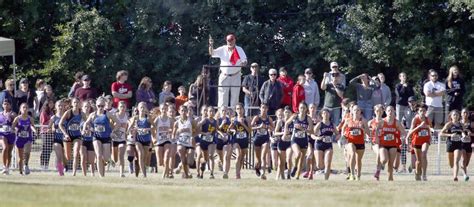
(377, 175)
(293, 171)
(27, 170)
(305, 174)
(455, 179)
(263, 177)
(257, 172)
(225, 176)
(424, 178)
(211, 176)
(310, 177)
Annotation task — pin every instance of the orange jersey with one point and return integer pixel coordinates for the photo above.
(346, 117)
(374, 133)
(421, 135)
(390, 134)
(354, 131)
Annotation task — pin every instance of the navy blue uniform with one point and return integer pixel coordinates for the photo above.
(220, 140)
(454, 142)
(284, 145)
(206, 140)
(261, 136)
(300, 137)
(241, 136)
(326, 132)
(58, 134)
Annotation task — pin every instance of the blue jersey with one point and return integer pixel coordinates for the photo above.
(101, 126)
(209, 127)
(143, 130)
(225, 126)
(240, 132)
(326, 132)
(74, 125)
(58, 134)
(263, 132)
(298, 133)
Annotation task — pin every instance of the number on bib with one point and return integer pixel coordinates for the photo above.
(208, 138)
(389, 137)
(327, 139)
(24, 134)
(423, 133)
(262, 131)
(355, 132)
(241, 135)
(300, 134)
(466, 139)
(74, 127)
(99, 128)
(5, 129)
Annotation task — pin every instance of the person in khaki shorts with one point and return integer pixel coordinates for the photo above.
(434, 91)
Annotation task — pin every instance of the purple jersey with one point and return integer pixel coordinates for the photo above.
(24, 129)
(5, 124)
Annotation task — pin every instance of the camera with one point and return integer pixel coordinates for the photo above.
(334, 74)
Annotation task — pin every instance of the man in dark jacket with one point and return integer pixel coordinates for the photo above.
(271, 92)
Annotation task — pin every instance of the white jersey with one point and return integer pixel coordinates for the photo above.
(185, 137)
(163, 130)
(119, 134)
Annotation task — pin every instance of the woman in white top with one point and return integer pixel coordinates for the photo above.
(119, 136)
(183, 130)
(162, 139)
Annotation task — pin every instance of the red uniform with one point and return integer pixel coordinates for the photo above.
(354, 131)
(390, 135)
(421, 135)
(374, 133)
(287, 85)
(297, 96)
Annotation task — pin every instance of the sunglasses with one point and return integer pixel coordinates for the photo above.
(308, 73)
(100, 106)
(273, 74)
(335, 67)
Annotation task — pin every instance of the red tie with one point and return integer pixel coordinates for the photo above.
(235, 56)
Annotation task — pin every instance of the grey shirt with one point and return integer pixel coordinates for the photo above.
(331, 99)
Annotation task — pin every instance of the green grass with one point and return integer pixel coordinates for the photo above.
(47, 189)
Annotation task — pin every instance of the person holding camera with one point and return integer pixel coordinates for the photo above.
(333, 95)
(335, 72)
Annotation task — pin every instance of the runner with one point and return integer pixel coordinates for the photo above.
(7, 135)
(324, 132)
(262, 125)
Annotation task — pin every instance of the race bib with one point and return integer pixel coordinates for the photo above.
(162, 136)
(143, 132)
(6, 129)
(423, 133)
(99, 128)
(300, 134)
(262, 131)
(241, 135)
(208, 138)
(74, 127)
(456, 138)
(355, 132)
(225, 137)
(23, 134)
(185, 140)
(327, 139)
(466, 139)
(389, 137)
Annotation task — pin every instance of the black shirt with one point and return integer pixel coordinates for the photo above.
(403, 93)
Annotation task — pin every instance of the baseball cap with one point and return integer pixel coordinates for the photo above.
(334, 64)
(24, 80)
(411, 98)
(85, 77)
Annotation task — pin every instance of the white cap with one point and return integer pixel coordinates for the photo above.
(334, 64)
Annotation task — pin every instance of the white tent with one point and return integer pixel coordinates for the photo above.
(7, 48)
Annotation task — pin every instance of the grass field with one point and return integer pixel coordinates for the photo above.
(47, 189)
